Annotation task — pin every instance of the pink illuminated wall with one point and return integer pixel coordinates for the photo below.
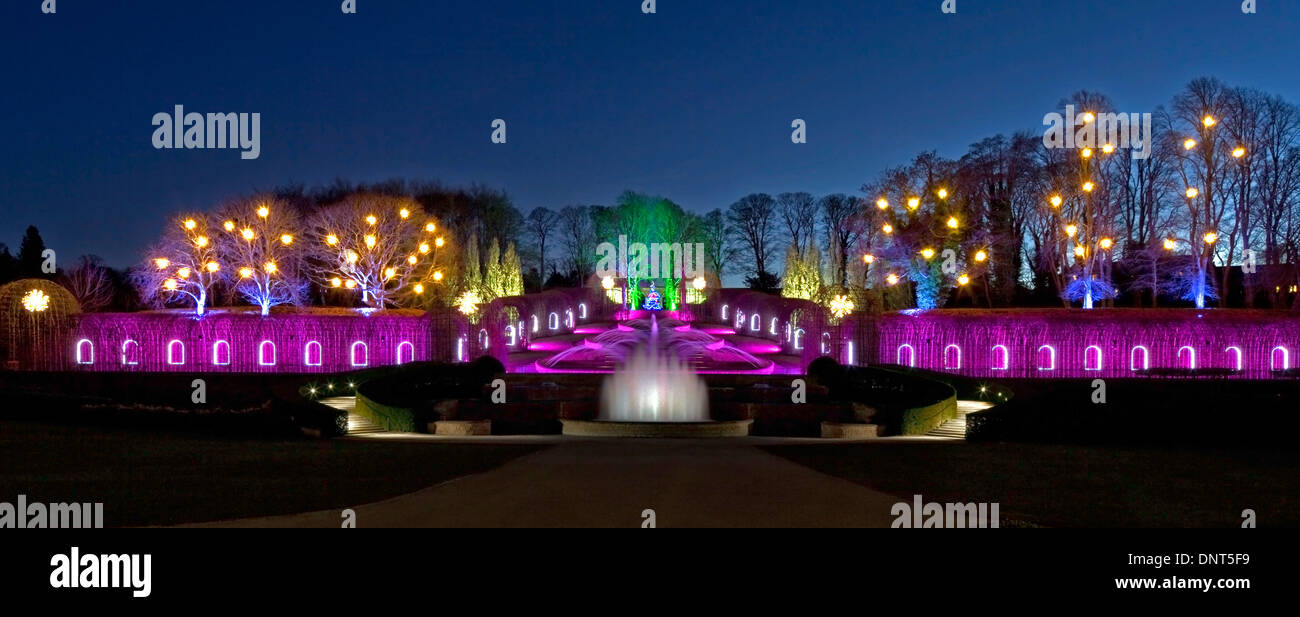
(248, 343)
(1098, 343)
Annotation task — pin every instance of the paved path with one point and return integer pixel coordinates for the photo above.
(608, 483)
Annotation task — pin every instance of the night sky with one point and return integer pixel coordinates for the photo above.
(693, 103)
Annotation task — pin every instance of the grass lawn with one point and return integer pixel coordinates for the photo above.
(1076, 486)
(161, 477)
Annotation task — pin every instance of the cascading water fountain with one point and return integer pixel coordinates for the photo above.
(655, 391)
(654, 386)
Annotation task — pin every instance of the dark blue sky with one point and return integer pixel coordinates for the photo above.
(693, 103)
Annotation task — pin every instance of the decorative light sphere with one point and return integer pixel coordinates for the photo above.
(245, 272)
(430, 227)
(331, 239)
(882, 203)
(943, 193)
(419, 289)
(336, 282)
(841, 307)
(437, 276)
(1169, 244)
(36, 301)
(439, 242)
(927, 253)
(190, 224)
(887, 228)
(1209, 121)
(229, 225)
(1189, 144)
(1087, 153)
(914, 203)
(1239, 152)
(201, 241)
(371, 241)
(269, 267)
(371, 219)
(1108, 148)
(868, 259)
(1211, 238)
(1106, 243)
(952, 222)
(247, 233)
(1088, 186)
(892, 279)
(981, 256)
(183, 273)
(607, 283)
(351, 284)
(404, 213)
(1070, 230)
(213, 266)
(424, 247)
(169, 284)
(162, 263)
(699, 283)
(963, 280)
(286, 239)
(1089, 117)
(1056, 201)
(264, 212)
(1192, 193)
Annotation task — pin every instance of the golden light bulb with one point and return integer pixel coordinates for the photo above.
(190, 224)
(914, 203)
(419, 289)
(1088, 186)
(229, 225)
(162, 263)
(437, 276)
(927, 252)
(430, 227)
(1169, 244)
(1209, 121)
(350, 284)
(439, 242)
(331, 239)
(699, 283)
(892, 279)
(245, 272)
(370, 241)
(264, 212)
(1108, 149)
(183, 273)
(607, 283)
(1106, 243)
(963, 280)
(286, 239)
(943, 193)
(981, 256)
(213, 266)
(887, 228)
(336, 282)
(169, 284)
(404, 213)
(424, 247)
(411, 260)
(390, 272)
(1192, 193)
(1087, 153)
(1088, 117)
(1189, 144)
(247, 233)
(1056, 201)
(351, 256)
(371, 219)
(868, 259)
(1239, 152)
(1078, 250)
(952, 222)
(269, 267)
(1211, 238)
(882, 203)
(1070, 230)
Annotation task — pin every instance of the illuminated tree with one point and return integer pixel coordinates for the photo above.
(513, 272)
(260, 243)
(384, 247)
(918, 231)
(184, 264)
(803, 273)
